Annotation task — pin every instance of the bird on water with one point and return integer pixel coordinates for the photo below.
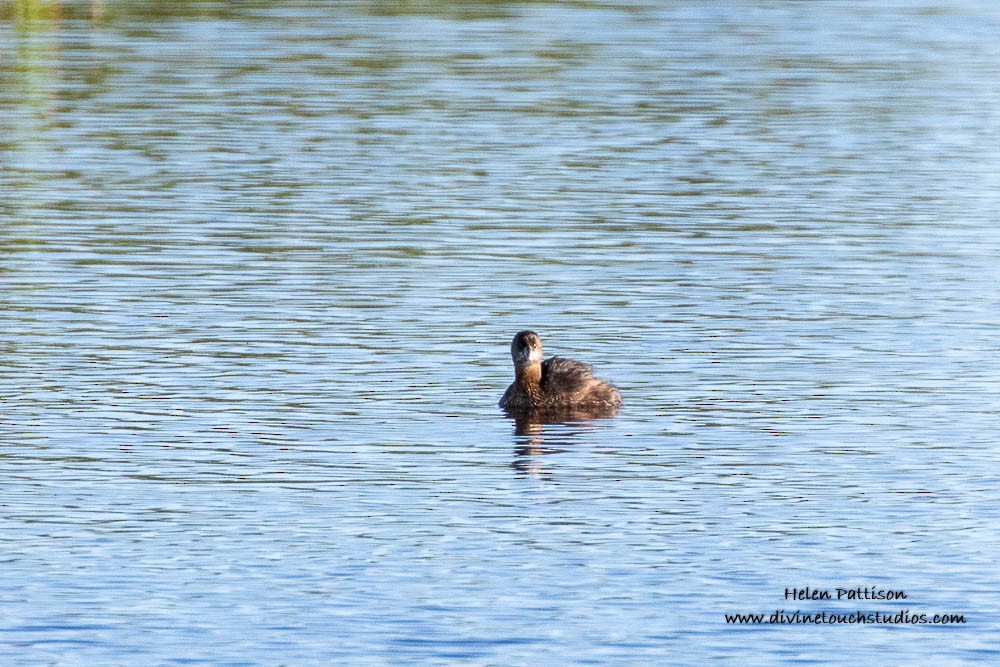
(556, 384)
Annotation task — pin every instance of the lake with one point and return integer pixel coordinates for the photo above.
(261, 263)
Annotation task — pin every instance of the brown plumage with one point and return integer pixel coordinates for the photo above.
(556, 384)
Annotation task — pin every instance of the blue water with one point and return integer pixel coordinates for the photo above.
(260, 265)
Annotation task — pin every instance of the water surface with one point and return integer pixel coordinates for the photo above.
(260, 265)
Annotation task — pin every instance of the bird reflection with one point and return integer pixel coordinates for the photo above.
(531, 442)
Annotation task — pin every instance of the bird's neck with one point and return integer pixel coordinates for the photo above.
(529, 379)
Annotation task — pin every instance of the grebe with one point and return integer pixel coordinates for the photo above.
(555, 385)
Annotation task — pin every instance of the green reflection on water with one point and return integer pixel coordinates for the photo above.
(34, 14)
(29, 14)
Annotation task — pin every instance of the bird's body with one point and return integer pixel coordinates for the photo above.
(556, 384)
